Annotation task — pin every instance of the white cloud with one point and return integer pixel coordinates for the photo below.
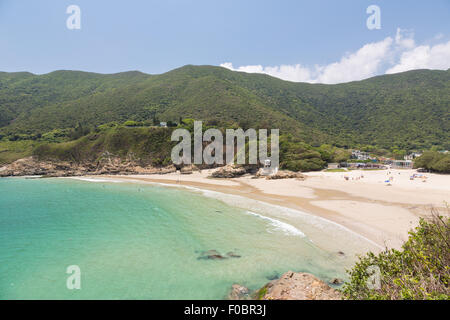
(424, 57)
(362, 64)
(287, 72)
(386, 56)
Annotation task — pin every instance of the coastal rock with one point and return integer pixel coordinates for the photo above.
(229, 171)
(298, 286)
(166, 170)
(187, 170)
(52, 168)
(336, 281)
(281, 174)
(239, 292)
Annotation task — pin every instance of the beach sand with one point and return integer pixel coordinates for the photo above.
(363, 203)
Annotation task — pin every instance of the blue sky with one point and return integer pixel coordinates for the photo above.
(157, 36)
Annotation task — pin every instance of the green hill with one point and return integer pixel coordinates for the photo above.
(408, 110)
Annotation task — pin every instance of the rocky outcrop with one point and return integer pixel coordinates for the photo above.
(188, 169)
(33, 167)
(298, 286)
(281, 174)
(290, 286)
(228, 171)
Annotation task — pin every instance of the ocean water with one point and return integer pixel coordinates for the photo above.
(143, 241)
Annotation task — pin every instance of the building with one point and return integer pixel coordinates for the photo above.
(333, 166)
(360, 155)
(368, 166)
(402, 164)
(412, 156)
(267, 170)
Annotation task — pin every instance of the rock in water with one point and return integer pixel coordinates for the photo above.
(298, 286)
(336, 281)
(239, 292)
(233, 255)
(211, 255)
(273, 276)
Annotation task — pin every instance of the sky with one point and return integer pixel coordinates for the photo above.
(320, 41)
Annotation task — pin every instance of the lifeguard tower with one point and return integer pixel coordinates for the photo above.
(267, 169)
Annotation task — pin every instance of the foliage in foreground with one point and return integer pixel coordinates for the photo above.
(420, 271)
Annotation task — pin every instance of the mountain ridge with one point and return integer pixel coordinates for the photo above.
(407, 110)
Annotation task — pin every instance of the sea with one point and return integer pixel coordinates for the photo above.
(63, 238)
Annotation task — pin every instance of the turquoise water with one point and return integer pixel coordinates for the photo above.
(136, 241)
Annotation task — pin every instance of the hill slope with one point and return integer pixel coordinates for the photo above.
(409, 110)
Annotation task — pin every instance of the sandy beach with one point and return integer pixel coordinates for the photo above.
(361, 201)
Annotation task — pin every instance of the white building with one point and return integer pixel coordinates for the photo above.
(412, 156)
(360, 155)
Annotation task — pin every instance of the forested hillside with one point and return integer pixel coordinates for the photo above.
(408, 111)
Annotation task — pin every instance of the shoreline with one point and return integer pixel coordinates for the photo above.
(381, 216)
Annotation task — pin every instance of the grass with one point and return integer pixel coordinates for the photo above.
(143, 145)
(335, 170)
(262, 292)
(11, 151)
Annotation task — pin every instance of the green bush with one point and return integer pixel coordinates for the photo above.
(433, 161)
(131, 123)
(419, 271)
(144, 145)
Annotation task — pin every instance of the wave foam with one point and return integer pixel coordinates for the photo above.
(95, 179)
(284, 227)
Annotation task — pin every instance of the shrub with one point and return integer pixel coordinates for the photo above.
(419, 271)
(433, 161)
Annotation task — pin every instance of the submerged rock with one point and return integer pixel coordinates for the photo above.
(239, 292)
(211, 255)
(232, 255)
(273, 276)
